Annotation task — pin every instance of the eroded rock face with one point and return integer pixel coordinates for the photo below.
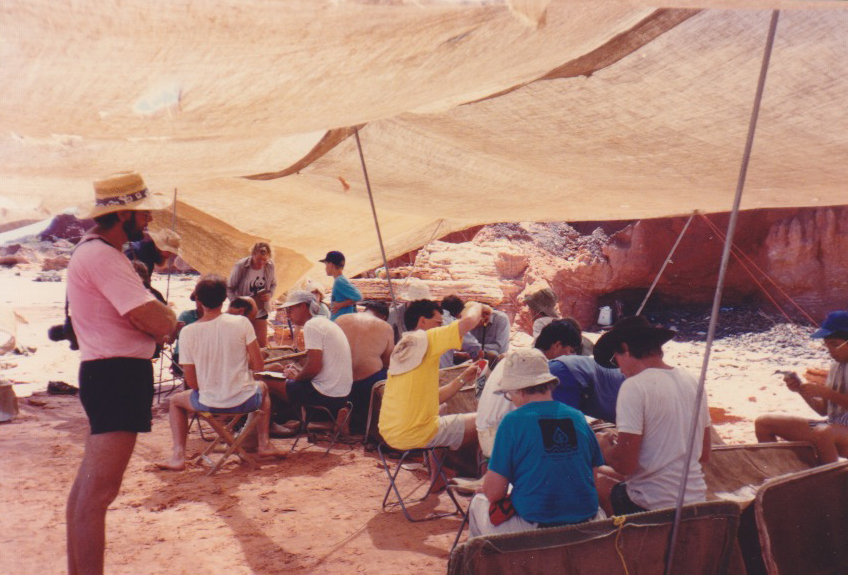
(798, 255)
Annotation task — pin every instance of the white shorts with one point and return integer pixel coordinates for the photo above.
(450, 433)
(480, 524)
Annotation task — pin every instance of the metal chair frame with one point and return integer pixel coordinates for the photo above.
(440, 473)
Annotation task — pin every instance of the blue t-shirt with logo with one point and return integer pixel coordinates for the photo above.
(547, 451)
(343, 290)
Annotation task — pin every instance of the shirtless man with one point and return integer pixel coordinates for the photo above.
(371, 343)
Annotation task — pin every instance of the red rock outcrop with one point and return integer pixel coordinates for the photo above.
(796, 257)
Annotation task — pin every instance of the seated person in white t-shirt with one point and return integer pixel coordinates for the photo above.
(217, 354)
(654, 414)
(325, 379)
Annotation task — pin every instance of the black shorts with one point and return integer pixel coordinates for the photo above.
(117, 394)
(304, 393)
(621, 503)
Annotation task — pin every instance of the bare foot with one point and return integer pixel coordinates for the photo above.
(270, 452)
(342, 417)
(171, 465)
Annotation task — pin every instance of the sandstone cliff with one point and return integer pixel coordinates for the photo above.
(803, 251)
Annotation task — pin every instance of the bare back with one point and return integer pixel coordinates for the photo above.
(371, 342)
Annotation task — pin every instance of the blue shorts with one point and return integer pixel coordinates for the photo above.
(251, 404)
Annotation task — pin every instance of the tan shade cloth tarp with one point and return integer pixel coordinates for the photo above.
(470, 113)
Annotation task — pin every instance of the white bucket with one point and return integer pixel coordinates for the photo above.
(605, 316)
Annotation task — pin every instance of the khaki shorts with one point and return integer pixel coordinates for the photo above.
(486, 437)
(450, 433)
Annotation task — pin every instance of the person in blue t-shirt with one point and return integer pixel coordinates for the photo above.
(345, 295)
(583, 383)
(544, 450)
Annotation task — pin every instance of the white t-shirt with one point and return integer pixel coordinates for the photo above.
(491, 407)
(336, 375)
(657, 404)
(218, 351)
(102, 288)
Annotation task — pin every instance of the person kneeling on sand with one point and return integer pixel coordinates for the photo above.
(218, 352)
(830, 437)
(544, 449)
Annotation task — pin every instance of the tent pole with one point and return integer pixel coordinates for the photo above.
(725, 258)
(374, 213)
(168, 285)
(668, 259)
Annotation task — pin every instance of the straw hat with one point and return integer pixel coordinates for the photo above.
(408, 352)
(123, 191)
(167, 241)
(628, 329)
(543, 301)
(524, 367)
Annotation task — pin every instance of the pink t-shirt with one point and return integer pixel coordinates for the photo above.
(102, 288)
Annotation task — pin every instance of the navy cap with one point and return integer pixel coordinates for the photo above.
(334, 257)
(835, 321)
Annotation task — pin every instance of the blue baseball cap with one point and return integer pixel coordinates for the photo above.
(834, 322)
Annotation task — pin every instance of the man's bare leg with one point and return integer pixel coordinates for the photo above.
(178, 418)
(469, 436)
(96, 486)
(824, 438)
(605, 479)
(266, 448)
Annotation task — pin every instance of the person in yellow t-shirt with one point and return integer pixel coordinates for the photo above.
(409, 416)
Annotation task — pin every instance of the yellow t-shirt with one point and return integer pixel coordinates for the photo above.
(410, 412)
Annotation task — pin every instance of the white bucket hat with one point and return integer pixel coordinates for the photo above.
(524, 367)
(408, 352)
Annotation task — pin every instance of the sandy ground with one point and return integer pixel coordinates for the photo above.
(305, 514)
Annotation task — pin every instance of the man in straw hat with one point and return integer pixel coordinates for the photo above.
(544, 449)
(829, 436)
(653, 416)
(118, 323)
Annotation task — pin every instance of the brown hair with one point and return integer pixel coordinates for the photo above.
(259, 246)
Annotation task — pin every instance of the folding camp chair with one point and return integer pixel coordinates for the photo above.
(430, 453)
(308, 413)
(223, 424)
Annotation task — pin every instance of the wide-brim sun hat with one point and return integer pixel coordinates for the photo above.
(409, 352)
(167, 241)
(122, 191)
(627, 329)
(834, 322)
(523, 368)
(543, 301)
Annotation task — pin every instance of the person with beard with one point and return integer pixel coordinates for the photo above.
(118, 323)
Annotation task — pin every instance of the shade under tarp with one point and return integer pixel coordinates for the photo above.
(471, 112)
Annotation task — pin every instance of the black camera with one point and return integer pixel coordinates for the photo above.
(64, 331)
